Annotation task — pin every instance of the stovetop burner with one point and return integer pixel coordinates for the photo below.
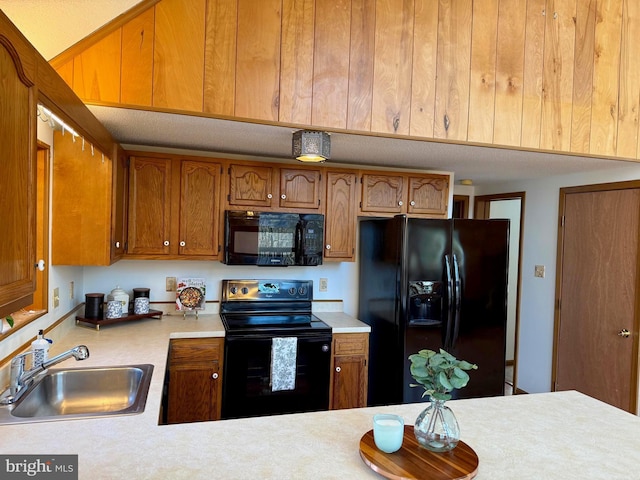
(277, 307)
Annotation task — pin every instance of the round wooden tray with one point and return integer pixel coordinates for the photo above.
(413, 461)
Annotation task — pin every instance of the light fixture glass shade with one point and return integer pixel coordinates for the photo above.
(311, 146)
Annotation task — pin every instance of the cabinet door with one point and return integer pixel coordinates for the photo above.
(340, 225)
(250, 186)
(119, 204)
(300, 188)
(149, 205)
(382, 193)
(349, 382)
(81, 204)
(199, 207)
(195, 379)
(429, 195)
(349, 376)
(17, 154)
(192, 393)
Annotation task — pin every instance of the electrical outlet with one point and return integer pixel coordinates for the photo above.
(56, 297)
(539, 271)
(323, 284)
(71, 285)
(170, 284)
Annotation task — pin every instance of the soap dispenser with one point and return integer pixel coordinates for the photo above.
(40, 348)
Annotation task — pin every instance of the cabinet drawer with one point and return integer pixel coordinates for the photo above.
(351, 344)
(192, 350)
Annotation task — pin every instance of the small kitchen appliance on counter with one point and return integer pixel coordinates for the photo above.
(277, 353)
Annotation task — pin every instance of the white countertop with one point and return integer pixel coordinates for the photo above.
(545, 436)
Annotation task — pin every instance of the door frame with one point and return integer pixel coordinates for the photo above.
(601, 187)
(482, 205)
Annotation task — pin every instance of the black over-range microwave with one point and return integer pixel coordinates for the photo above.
(273, 238)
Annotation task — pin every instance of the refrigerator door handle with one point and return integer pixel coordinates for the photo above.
(450, 302)
(458, 300)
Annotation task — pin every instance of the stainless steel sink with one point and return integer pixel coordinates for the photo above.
(65, 394)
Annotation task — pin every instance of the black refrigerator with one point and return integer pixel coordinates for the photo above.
(431, 284)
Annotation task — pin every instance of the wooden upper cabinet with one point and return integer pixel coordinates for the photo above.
(137, 60)
(414, 194)
(382, 193)
(199, 208)
(174, 207)
(17, 182)
(250, 186)
(119, 203)
(149, 206)
(300, 188)
(178, 67)
(341, 215)
(87, 215)
(428, 195)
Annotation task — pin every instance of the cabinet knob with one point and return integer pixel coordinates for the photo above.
(183, 243)
(328, 247)
(400, 203)
(40, 265)
(215, 376)
(412, 203)
(166, 243)
(269, 196)
(338, 369)
(117, 244)
(283, 196)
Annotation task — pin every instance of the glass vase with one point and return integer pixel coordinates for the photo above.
(436, 428)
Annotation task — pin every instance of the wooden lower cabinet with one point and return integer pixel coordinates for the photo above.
(350, 370)
(195, 379)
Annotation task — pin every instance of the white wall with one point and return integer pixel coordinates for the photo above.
(510, 209)
(539, 248)
(128, 274)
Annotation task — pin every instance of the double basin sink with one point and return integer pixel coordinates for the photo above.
(73, 393)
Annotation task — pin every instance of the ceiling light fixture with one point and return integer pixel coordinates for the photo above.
(311, 146)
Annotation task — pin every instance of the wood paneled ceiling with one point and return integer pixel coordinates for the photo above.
(54, 25)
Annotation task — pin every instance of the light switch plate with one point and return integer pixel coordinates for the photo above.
(171, 284)
(539, 271)
(324, 283)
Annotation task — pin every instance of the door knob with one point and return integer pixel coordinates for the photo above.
(624, 333)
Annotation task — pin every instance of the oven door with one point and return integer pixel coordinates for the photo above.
(247, 390)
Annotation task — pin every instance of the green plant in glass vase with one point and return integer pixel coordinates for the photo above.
(439, 373)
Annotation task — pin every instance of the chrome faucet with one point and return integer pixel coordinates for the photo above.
(21, 378)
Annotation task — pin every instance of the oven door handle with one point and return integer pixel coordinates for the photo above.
(298, 244)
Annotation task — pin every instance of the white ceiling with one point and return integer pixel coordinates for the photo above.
(54, 25)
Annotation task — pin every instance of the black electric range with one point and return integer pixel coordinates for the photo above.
(254, 313)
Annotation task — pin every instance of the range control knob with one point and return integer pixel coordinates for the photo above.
(302, 290)
(233, 290)
(245, 290)
(292, 291)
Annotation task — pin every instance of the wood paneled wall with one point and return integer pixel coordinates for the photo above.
(560, 75)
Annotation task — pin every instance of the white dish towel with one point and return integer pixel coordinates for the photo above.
(284, 351)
